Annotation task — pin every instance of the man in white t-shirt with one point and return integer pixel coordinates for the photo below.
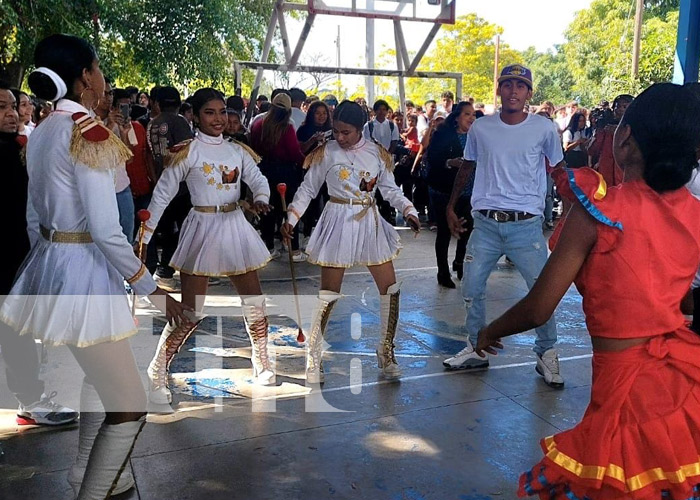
(447, 100)
(425, 119)
(381, 130)
(508, 150)
(298, 97)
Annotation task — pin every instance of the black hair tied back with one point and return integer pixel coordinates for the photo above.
(203, 96)
(351, 113)
(664, 123)
(60, 60)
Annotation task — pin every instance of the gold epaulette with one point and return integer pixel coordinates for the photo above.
(96, 146)
(255, 156)
(386, 157)
(315, 157)
(178, 153)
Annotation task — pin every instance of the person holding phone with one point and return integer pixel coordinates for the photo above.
(313, 133)
(316, 129)
(112, 119)
(142, 175)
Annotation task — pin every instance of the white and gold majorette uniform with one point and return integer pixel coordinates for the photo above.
(350, 231)
(70, 289)
(215, 239)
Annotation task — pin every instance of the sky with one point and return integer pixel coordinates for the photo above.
(541, 26)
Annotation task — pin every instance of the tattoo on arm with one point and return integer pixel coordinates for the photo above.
(465, 170)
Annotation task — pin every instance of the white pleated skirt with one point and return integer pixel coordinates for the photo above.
(340, 240)
(69, 294)
(219, 244)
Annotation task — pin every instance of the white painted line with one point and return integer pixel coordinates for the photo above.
(353, 273)
(402, 379)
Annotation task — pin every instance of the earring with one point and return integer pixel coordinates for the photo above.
(96, 100)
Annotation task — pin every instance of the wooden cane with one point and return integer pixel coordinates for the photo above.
(282, 190)
(143, 215)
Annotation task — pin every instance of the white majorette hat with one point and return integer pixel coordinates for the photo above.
(61, 89)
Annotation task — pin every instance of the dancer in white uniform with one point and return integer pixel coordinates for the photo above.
(350, 231)
(216, 239)
(70, 290)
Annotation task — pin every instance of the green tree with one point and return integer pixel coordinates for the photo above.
(180, 42)
(598, 49)
(467, 47)
(552, 78)
(24, 22)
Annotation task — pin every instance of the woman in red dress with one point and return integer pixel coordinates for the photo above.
(632, 252)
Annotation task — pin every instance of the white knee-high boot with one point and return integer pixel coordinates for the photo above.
(314, 344)
(389, 312)
(257, 326)
(171, 340)
(92, 416)
(109, 458)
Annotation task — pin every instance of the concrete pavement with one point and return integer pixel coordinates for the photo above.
(434, 435)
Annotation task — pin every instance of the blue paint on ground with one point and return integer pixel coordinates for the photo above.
(208, 387)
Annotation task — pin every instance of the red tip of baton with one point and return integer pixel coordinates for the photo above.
(281, 188)
(300, 336)
(143, 215)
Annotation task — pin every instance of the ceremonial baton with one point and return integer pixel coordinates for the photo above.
(143, 216)
(282, 190)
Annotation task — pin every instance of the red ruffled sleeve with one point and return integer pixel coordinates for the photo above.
(587, 187)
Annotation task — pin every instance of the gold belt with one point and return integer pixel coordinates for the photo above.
(366, 203)
(64, 237)
(229, 207)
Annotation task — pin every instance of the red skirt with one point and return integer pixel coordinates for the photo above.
(640, 436)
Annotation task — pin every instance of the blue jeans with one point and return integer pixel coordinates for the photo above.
(125, 202)
(523, 243)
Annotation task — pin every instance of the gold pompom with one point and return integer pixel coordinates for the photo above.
(178, 153)
(386, 157)
(315, 157)
(104, 155)
(255, 156)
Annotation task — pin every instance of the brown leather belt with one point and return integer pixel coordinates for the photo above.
(229, 207)
(506, 215)
(64, 237)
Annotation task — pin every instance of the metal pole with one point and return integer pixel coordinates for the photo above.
(302, 39)
(337, 59)
(369, 58)
(238, 79)
(688, 43)
(636, 47)
(369, 54)
(495, 72)
(400, 67)
(263, 58)
(283, 33)
(421, 52)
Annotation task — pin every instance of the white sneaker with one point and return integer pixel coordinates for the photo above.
(548, 367)
(213, 280)
(275, 254)
(143, 303)
(45, 412)
(299, 256)
(167, 284)
(466, 359)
